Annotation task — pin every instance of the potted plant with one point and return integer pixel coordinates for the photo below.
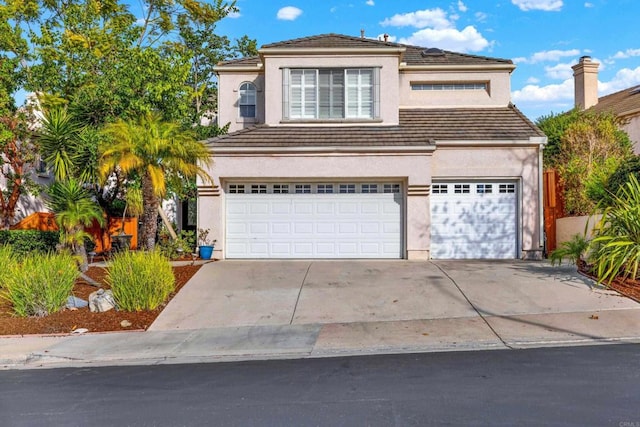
(206, 245)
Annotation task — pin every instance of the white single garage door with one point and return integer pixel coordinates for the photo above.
(314, 220)
(474, 220)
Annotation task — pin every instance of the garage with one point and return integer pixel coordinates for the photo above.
(474, 220)
(314, 220)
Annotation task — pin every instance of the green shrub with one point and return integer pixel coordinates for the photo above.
(7, 260)
(616, 243)
(574, 249)
(140, 280)
(174, 249)
(24, 242)
(41, 283)
(620, 177)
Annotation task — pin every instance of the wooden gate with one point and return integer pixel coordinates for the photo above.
(553, 207)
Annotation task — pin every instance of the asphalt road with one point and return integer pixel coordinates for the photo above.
(578, 386)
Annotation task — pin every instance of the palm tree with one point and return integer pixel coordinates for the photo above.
(74, 209)
(158, 152)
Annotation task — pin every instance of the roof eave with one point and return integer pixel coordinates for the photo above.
(231, 150)
(458, 67)
(331, 50)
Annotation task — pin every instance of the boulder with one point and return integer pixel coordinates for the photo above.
(101, 300)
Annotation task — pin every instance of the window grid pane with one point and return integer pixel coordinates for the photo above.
(280, 188)
(303, 188)
(347, 188)
(507, 188)
(258, 189)
(325, 188)
(461, 189)
(484, 188)
(391, 188)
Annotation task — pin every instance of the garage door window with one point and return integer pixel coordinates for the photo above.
(320, 188)
(484, 189)
(462, 189)
(440, 189)
(507, 188)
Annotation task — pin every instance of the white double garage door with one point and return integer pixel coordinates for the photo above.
(366, 220)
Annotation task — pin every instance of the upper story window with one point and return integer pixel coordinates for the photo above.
(327, 93)
(247, 102)
(451, 86)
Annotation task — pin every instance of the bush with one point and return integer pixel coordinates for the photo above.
(620, 177)
(174, 249)
(140, 280)
(616, 243)
(41, 283)
(24, 242)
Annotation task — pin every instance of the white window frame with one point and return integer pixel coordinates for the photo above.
(247, 97)
(355, 105)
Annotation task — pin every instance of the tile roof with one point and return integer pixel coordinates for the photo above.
(413, 55)
(620, 103)
(418, 127)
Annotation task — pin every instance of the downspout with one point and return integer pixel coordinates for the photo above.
(540, 193)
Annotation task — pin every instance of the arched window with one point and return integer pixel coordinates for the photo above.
(247, 100)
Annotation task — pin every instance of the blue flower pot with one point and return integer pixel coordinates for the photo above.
(206, 252)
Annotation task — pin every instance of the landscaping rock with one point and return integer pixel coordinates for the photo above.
(101, 300)
(75, 302)
(125, 324)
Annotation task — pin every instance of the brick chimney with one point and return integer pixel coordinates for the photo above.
(585, 78)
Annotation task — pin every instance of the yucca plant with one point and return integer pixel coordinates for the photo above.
(140, 280)
(616, 245)
(40, 284)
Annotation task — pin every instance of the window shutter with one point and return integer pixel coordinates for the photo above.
(376, 93)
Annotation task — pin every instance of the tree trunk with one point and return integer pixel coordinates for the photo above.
(149, 214)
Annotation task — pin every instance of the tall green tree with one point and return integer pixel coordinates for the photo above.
(157, 151)
(586, 147)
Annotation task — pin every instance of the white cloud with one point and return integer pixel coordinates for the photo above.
(461, 6)
(371, 3)
(624, 78)
(438, 29)
(435, 18)
(532, 93)
(467, 40)
(289, 13)
(533, 80)
(627, 54)
(561, 95)
(589, 5)
(481, 16)
(234, 14)
(548, 56)
(545, 5)
(559, 71)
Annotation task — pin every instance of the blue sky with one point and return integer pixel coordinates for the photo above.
(543, 37)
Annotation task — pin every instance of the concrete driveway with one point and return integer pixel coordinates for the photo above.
(404, 303)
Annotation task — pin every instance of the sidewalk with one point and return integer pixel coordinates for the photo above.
(499, 306)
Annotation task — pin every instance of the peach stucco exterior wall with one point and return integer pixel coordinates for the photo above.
(389, 98)
(633, 130)
(499, 94)
(520, 164)
(413, 170)
(228, 97)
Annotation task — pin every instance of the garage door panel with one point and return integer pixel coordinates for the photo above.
(474, 224)
(333, 225)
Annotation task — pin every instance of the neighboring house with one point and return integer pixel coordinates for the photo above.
(625, 104)
(346, 147)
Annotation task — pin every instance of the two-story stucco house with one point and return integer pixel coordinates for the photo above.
(346, 147)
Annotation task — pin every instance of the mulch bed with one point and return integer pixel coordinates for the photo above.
(627, 287)
(67, 321)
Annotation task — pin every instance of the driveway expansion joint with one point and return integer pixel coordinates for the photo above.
(478, 312)
(295, 307)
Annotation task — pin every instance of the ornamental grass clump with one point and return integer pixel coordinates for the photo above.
(140, 280)
(40, 284)
(7, 260)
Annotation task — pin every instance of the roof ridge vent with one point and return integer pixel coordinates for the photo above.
(432, 51)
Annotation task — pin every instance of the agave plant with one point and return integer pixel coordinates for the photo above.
(616, 245)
